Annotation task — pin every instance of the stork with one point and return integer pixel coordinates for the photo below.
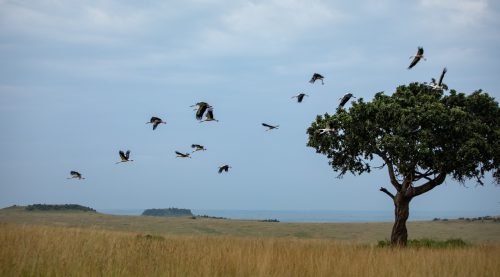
(156, 121)
(438, 85)
(75, 175)
(300, 97)
(210, 115)
(417, 57)
(328, 130)
(182, 155)
(344, 99)
(202, 107)
(224, 168)
(316, 76)
(270, 127)
(197, 147)
(125, 157)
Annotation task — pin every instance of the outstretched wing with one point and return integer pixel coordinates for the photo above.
(202, 107)
(179, 153)
(344, 100)
(220, 169)
(442, 76)
(417, 57)
(127, 155)
(300, 97)
(267, 125)
(122, 155)
(414, 62)
(210, 114)
(155, 119)
(155, 124)
(76, 174)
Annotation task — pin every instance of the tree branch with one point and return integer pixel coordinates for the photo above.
(418, 175)
(384, 190)
(429, 185)
(390, 168)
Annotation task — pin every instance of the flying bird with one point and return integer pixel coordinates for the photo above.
(417, 57)
(210, 115)
(156, 121)
(317, 76)
(224, 168)
(198, 147)
(438, 85)
(75, 175)
(300, 97)
(125, 157)
(270, 127)
(182, 155)
(328, 130)
(344, 99)
(202, 107)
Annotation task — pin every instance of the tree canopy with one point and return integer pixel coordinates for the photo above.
(418, 132)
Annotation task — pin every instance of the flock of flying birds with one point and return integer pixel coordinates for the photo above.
(204, 109)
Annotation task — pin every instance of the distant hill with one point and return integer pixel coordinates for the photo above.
(56, 207)
(168, 212)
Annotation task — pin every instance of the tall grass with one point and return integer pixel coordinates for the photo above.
(62, 251)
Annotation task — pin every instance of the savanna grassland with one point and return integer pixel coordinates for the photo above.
(91, 244)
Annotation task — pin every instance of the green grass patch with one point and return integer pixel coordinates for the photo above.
(428, 243)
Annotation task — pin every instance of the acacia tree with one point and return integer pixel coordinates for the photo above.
(420, 135)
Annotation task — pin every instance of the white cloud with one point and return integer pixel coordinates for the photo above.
(268, 25)
(457, 12)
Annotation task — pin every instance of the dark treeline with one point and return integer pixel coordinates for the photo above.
(62, 207)
(168, 212)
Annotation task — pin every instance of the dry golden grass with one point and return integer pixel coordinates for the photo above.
(474, 232)
(67, 251)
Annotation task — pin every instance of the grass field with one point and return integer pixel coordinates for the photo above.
(62, 251)
(474, 232)
(91, 244)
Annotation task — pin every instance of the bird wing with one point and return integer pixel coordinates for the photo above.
(75, 173)
(122, 155)
(300, 97)
(267, 125)
(414, 62)
(220, 169)
(127, 155)
(420, 51)
(201, 110)
(210, 114)
(179, 153)
(442, 76)
(154, 119)
(155, 124)
(344, 100)
(194, 145)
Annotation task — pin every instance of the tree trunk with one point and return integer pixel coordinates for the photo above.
(399, 235)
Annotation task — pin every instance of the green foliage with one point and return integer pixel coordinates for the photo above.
(428, 243)
(168, 212)
(64, 207)
(417, 129)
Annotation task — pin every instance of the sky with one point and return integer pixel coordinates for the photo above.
(79, 79)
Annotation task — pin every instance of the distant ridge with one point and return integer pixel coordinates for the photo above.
(58, 207)
(167, 212)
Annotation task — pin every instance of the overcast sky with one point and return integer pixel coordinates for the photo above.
(79, 79)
